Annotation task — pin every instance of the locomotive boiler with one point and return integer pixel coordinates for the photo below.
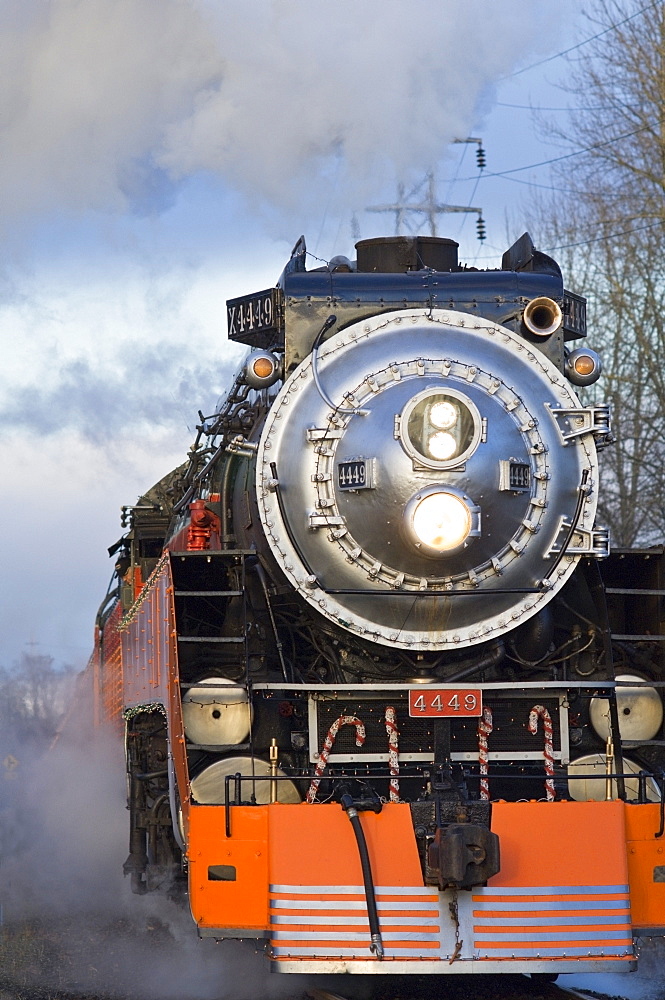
(389, 703)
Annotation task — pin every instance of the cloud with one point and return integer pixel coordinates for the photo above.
(112, 104)
(114, 354)
(88, 89)
(147, 385)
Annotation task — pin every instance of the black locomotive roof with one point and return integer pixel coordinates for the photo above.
(393, 273)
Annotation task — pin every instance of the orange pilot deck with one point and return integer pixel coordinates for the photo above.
(562, 900)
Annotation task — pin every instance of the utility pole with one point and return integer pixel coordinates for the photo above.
(419, 207)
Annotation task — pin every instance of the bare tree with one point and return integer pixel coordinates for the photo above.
(608, 231)
(34, 694)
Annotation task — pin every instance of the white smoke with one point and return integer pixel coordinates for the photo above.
(70, 923)
(110, 104)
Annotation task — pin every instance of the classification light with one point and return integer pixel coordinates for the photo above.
(583, 366)
(262, 369)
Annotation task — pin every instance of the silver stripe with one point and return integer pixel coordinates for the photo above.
(358, 890)
(315, 936)
(318, 904)
(610, 904)
(283, 918)
(461, 966)
(525, 952)
(359, 952)
(556, 890)
(400, 890)
(347, 904)
(565, 936)
(539, 921)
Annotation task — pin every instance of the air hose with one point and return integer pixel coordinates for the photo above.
(376, 945)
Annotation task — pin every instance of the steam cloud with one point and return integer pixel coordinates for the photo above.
(70, 921)
(110, 107)
(111, 104)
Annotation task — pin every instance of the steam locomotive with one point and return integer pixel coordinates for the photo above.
(389, 703)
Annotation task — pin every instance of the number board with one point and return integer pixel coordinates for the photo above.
(574, 314)
(519, 476)
(251, 318)
(354, 475)
(445, 702)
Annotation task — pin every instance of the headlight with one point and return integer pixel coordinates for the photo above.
(444, 414)
(442, 446)
(439, 520)
(440, 428)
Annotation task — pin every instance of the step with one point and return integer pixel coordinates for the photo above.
(208, 593)
(210, 638)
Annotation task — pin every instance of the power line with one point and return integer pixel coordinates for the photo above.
(579, 45)
(577, 152)
(597, 239)
(530, 107)
(612, 236)
(535, 184)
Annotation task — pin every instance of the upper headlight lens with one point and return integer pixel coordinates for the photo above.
(443, 414)
(441, 521)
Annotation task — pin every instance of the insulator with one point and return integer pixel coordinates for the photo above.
(480, 227)
(480, 158)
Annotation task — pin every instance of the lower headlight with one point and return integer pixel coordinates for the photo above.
(439, 520)
(442, 446)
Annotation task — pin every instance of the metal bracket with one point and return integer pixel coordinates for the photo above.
(324, 520)
(594, 542)
(573, 422)
(323, 433)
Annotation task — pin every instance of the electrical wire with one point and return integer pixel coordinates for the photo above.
(531, 107)
(535, 184)
(576, 152)
(585, 41)
(612, 236)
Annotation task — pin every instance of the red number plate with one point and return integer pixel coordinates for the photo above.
(460, 702)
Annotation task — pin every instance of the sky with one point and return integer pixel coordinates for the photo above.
(160, 156)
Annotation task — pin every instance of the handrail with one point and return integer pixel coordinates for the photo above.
(238, 778)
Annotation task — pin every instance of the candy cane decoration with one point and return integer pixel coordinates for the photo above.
(344, 720)
(548, 752)
(393, 752)
(484, 729)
